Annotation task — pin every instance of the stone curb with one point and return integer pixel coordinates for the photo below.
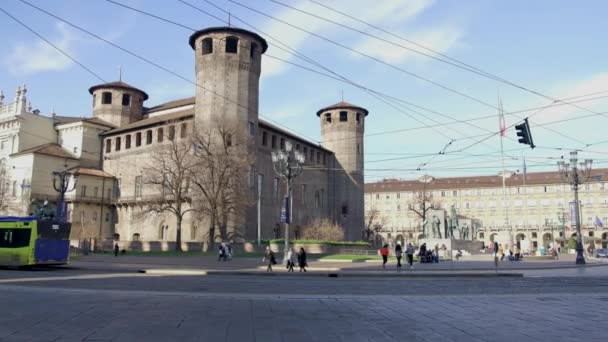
(405, 274)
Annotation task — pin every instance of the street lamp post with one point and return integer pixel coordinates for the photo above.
(61, 184)
(576, 176)
(287, 165)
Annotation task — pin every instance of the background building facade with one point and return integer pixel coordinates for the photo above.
(538, 211)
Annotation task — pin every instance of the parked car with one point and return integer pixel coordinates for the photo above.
(601, 253)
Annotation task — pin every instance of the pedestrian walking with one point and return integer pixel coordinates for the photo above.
(398, 254)
(384, 254)
(221, 253)
(269, 258)
(409, 252)
(501, 251)
(302, 260)
(436, 256)
(291, 259)
(116, 249)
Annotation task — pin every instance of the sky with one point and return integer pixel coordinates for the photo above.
(552, 48)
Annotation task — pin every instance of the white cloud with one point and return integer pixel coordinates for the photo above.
(593, 84)
(37, 56)
(383, 13)
(437, 39)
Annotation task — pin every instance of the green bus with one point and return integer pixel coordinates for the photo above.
(32, 241)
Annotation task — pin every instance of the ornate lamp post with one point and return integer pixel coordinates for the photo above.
(576, 176)
(61, 184)
(287, 165)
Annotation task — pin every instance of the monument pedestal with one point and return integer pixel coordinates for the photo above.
(466, 246)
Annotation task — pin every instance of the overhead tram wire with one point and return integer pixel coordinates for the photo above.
(386, 63)
(341, 77)
(399, 68)
(123, 49)
(54, 46)
(462, 65)
(219, 19)
(296, 53)
(154, 64)
(300, 55)
(366, 55)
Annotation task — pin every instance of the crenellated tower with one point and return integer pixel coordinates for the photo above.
(228, 65)
(342, 128)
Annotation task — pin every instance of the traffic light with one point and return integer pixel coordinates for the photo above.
(524, 134)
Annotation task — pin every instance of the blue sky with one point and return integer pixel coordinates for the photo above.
(553, 47)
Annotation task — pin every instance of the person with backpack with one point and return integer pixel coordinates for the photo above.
(409, 252)
(398, 254)
(384, 254)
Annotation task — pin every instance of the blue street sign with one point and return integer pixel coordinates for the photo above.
(285, 211)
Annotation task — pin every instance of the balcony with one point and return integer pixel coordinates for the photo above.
(75, 197)
(143, 199)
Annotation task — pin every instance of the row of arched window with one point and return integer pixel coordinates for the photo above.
(136, 138)
(231, 46)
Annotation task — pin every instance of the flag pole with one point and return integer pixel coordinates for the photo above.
(501, 120)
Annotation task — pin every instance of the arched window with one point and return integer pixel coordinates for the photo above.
(207, 47)
(108, 145)
(253, 50)
(343, 116)
(106, 97)
(128, 142)
(160, 135)
(148, 137)
(117, 144)
(138, 139)
(136, 237)
(232, 44)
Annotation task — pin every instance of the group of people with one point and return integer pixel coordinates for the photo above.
(409, 253)
(500, 253)
(293, 259)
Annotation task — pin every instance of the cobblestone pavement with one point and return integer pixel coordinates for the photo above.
(47, 314)
(98, 306)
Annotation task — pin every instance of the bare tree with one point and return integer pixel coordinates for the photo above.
(222, 179)
(422, 202)
(6, 192)
(169, 170)
(373, 226)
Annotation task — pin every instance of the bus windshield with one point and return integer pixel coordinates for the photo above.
(14, 238)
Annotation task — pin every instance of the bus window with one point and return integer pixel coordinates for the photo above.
(14, 238)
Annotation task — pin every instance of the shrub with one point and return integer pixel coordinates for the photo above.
(324, 230)
(572, 243)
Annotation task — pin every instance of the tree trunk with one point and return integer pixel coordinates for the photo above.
(211, 237)
(178, 238)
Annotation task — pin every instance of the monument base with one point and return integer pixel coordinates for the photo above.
(467, 247)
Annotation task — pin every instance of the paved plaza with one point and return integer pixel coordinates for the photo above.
(80, 304)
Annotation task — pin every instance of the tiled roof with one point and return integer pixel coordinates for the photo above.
(91, 172)
(50, 149)
(118, 84)
(152, 121)
(170, 105)
(535, 178)
(342, 105)
(61, 120)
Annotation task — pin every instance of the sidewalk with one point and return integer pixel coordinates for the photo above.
(246, 266)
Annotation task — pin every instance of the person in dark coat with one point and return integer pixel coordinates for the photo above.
(398, 254)
(269, 257)
(116, 249)
(302, 260)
